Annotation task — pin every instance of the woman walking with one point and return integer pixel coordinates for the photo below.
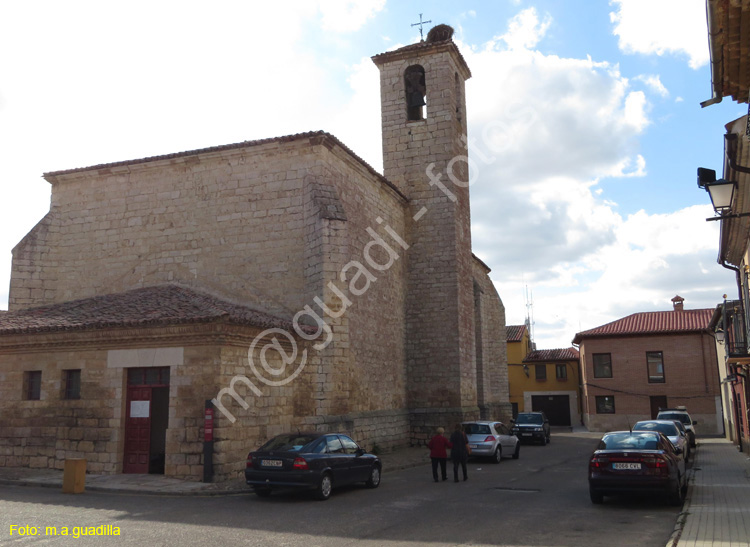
(459, 452)
(439, 454)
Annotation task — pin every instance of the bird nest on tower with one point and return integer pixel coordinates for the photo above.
(440, 33)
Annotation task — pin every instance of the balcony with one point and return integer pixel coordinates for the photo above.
(734, 327)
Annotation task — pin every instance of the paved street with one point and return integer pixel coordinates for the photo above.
(540, 499)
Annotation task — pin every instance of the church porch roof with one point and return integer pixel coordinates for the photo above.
(145, 307)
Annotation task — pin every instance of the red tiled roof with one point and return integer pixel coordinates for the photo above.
(220, 148)
(649, 323)
(151, 306)
(514, 333)
(563, 354)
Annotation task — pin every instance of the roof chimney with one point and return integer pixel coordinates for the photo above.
(677, 303)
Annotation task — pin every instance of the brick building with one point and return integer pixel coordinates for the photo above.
(650, 360)
(728, 39)
(284, 279)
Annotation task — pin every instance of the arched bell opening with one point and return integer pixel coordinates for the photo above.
(416, 93)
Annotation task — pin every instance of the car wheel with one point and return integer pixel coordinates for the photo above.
(374, 480)
(323, 492)
(549, 438)
(498, 456)
(517, 452)
(262, 492)
(692, 440)
(596, 497)
(677, 497)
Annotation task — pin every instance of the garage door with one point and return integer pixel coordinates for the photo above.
(556, 407)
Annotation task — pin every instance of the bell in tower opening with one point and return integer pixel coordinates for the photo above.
(415, 92)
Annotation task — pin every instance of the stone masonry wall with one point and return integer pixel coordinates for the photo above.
(202, 220)
(492, 367)
(440, 300)
(43, 433)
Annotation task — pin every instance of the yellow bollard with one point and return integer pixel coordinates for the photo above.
(74, 476)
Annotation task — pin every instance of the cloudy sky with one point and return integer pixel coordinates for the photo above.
(588, 111)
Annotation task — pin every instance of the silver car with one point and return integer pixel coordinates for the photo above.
(670, 430)
(492, 440)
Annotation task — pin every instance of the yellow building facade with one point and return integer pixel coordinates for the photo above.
(543, 380)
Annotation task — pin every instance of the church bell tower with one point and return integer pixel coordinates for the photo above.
(423, 110)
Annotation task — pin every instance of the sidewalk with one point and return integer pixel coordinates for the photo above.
(717, 510)
(161, 485)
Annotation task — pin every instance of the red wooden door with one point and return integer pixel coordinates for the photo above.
(137, 429)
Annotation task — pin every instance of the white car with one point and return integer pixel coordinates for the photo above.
(682, 415)
(670, 431)
(492, 440)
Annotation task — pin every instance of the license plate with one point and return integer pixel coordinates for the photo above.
(272, 463)
(622, 465)
(525, 434)
(472, 446)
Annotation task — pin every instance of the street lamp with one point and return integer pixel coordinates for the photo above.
(719, 334)
(721, 192)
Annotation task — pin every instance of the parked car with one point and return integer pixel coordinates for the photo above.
(531, 426)
(684, 433)
(627, 462)
(670, 430)
(682, 415)
(491, 439)
(310, 461)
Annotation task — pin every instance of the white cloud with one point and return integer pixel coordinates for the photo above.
(525, 30)
(653, 82)
(555, 127)
(650, 259)
(348, 15)
(665, 26)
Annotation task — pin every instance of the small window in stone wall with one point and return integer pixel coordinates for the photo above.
(540, 371)
(605, 404)
(32, 385)
(71, 388)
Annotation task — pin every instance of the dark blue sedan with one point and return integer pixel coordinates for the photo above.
(310, 461)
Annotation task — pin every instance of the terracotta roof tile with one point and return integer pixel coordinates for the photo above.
(514, 333)
(648, 323)
(151, 306)
(563, 354)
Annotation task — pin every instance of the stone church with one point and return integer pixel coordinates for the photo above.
(281, 284)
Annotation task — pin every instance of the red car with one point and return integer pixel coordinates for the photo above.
(627, 462)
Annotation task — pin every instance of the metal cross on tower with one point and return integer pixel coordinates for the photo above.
(421, 37)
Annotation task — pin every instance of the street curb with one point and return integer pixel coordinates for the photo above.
(94, 488)
(144, 492)
(679, 526)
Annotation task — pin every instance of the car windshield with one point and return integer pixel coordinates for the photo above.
(288, 443)
(529, 419)
(629, 441)
(669, 430)
(684, 418)
(477, 429)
